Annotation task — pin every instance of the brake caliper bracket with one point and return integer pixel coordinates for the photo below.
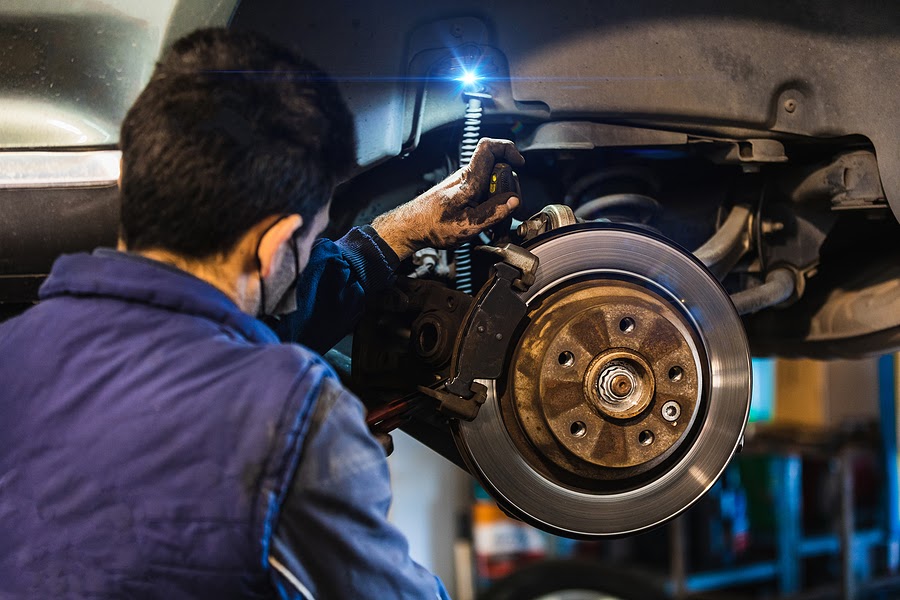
(483, 342)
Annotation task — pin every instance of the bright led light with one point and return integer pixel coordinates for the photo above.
(468, 78)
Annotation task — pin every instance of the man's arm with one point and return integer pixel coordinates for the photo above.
(333, 539)
(332, 290)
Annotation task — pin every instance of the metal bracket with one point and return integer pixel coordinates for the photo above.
(731, 242)
(551, 217)
(483, 342)
(517, 257)
(744, 151)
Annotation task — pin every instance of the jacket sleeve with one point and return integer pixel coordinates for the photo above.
(333, 539)
(332, 290)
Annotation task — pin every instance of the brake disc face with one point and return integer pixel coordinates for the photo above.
(626, 393)
(604, 383)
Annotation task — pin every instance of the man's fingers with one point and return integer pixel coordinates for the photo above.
(479, 170)
(493, 210)
(503, 151)
(489, 152)
(512, 155)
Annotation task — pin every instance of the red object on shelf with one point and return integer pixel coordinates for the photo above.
(503, 544)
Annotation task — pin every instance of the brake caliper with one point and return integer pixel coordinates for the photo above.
(488, 328)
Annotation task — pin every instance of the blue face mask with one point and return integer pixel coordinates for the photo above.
(278, 292)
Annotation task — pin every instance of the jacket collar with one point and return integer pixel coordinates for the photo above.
(134, 278)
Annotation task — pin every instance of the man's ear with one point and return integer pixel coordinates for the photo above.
(272, 243)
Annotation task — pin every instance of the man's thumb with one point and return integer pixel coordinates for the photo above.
(494, 209)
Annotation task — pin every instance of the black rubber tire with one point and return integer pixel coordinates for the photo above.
(552, 576)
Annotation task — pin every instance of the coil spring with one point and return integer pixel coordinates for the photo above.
(470, 137)
(471, 130)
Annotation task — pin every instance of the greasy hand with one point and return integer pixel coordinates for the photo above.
(455, 209)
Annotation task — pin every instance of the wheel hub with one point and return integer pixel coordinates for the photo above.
(590, 377)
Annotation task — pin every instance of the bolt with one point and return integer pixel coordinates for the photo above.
(616, 384)
(480, 329)
(499, 336)
(790, 105)
(529, 228)
(621, 386)
(671, 411)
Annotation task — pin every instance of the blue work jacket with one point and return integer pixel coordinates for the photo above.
(156, 442)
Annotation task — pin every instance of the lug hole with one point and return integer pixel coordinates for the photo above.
(646, 437)
(676, 373)
(566, 359)
(578, 429)
(626, 325)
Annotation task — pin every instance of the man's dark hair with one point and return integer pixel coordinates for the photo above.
(231, 129)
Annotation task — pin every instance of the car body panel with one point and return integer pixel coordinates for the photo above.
(71, 69)
(724, 68)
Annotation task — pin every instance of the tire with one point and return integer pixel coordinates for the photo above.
(561, 576)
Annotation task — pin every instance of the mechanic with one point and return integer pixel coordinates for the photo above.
(158, 440)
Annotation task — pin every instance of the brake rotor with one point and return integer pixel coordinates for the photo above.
(626, 392)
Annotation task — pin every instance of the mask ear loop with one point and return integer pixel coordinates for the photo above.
(261, 311)
(294, 242)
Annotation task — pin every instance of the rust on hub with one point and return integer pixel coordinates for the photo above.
(612, 385)
(613, 365)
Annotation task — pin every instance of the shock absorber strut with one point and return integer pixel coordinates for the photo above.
(471, 135)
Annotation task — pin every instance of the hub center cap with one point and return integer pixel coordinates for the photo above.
(619, 383)
(616, 384)
(621, 386)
